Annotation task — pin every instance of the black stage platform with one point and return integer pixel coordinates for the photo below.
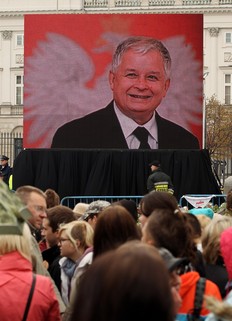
(76, 172)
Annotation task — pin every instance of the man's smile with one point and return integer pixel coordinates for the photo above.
(139, 96)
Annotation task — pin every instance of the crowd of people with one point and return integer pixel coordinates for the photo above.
(113, 261)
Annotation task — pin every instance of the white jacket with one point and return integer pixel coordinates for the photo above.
(66, 287)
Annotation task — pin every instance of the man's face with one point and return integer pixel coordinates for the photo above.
(153, 167)
(3, 162)
(50, 236)
(92, 221)
(37, 206)
(139, 84)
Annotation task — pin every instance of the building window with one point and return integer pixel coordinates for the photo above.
(228, 86)
(228, 37)
(227, 56)
(19, 90)
(19, 59)
(19, 40)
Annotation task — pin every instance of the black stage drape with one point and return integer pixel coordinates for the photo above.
(84, 172)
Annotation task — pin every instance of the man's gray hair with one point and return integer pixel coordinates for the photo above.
(142, 45)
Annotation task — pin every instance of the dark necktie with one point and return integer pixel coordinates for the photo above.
(142, 134)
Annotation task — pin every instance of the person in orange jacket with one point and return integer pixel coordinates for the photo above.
(187, 293)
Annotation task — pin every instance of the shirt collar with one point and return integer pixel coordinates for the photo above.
(128, 125)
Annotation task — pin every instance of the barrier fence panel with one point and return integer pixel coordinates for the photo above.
(189, 200)
(71, 201)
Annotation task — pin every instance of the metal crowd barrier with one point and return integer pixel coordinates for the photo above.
(71, 201)
(185, 200)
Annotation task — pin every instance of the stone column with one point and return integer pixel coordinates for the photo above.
(6, 64)
(213, 59)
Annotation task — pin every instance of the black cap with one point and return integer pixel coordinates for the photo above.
(3, 157)
(155, 163)
(172, 262)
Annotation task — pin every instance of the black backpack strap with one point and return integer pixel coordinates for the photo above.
(29, 298)
(199, 295)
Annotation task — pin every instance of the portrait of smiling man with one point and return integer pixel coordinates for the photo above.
(139, 79)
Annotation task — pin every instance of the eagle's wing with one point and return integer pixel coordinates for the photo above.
(183, 102)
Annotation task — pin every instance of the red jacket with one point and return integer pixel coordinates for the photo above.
(15, 284)
(187, 293)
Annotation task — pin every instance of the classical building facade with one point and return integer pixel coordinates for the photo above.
(217, 73)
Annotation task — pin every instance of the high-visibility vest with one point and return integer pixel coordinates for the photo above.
(11, 182)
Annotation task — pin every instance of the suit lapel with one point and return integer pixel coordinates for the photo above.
(114, 127)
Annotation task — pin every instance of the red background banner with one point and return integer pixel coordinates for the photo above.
(67, 60)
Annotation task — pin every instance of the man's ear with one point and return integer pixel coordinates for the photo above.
(111, 80)
(166, 86)
(95, 219)
(57, 233)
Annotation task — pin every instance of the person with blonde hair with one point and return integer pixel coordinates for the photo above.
(220, 310)
(17, 279)
(226, 207)
(76, 247)
(203, 220)
(79, 209)
(228, 210)
(215, 268)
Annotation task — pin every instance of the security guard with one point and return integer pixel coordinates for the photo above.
(158, 180)
(5, 169)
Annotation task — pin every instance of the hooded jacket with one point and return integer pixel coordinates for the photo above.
(15, 285)
(187, 293)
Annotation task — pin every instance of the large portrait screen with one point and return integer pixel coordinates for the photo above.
(75, 97)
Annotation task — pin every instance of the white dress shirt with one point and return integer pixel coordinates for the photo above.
(128, 125)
